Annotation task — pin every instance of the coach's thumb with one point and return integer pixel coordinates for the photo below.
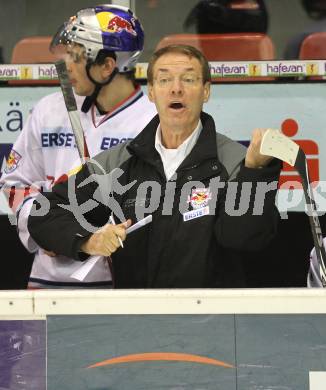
(127, 223)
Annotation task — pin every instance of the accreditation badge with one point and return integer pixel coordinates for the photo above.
(193, 214)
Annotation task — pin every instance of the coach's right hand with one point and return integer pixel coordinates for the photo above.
(254, 159)
(105, 241)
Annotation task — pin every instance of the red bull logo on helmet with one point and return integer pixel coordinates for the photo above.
(109, 22)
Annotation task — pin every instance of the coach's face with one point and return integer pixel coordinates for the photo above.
(178, 91)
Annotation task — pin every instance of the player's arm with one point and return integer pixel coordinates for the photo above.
(24, 177)
(65, 218)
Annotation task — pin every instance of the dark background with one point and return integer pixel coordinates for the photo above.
(284, 263)
(23, 18)
(16, 261)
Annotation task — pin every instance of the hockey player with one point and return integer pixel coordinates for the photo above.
(102, 45)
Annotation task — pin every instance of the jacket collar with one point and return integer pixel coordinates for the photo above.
(205, 148)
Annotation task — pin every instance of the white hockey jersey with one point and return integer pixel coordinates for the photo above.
(45, 152)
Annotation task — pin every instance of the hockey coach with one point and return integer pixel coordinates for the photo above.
(203, 195)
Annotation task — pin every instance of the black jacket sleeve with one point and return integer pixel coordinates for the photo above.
(68, 216)
(247, 217)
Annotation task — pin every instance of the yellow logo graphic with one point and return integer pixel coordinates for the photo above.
(312, 69)
(104, 19)
(254, 70)
(141, 72)
(26, 72)
(112, 23)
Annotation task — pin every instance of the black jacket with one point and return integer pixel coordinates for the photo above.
(170, 252)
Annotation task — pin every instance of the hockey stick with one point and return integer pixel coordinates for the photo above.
(71, 106)
(276, 144)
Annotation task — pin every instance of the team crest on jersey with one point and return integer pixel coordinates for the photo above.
(12, 161)
(199, 197)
